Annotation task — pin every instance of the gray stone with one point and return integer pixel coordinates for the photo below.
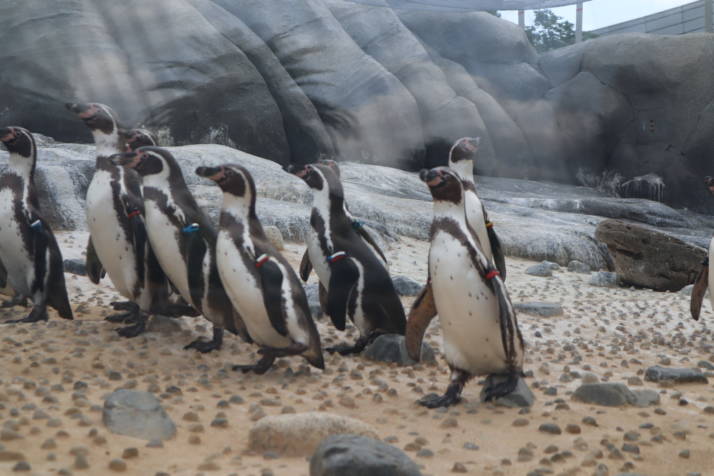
(660, 374)
(300, 434)
(606, 394)
(542, 309)
(576, 266)
(522, 396)
(274, 236)
(351, 455)
(604, 279)
(648, 258)
(391, 348)
(406, 286)
(75, 266)
(646, 397)
(543, 269)
(137, 414)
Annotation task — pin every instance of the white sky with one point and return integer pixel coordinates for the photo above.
(600, 13)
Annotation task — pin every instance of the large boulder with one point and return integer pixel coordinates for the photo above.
(649, 258)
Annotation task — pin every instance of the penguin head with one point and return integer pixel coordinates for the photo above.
(18, 141)
(463, 154)
(135, 138)
(146, 161)
(234, 180)
(444, 184)
(709, 183)
(332, 164)
(97, 117)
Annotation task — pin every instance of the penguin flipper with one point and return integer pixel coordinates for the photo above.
(195, 252)
(700, 288)
(420, 316)
(367, 236)
(56, 290)
(343, 278)
(305, 266)
(95, 270)
(498, 258)
(271, 281)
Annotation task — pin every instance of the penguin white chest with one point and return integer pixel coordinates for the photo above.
(317, 256)
(245, 292)
(15, 257)
(477, 222)
(164, 241)
(468, 309)
(110, 242)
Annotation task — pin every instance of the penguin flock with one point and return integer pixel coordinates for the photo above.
(164, 255)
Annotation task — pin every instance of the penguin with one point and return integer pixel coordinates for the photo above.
(28, 249)
(184, 241)
(357, 282)
(479, 327)
(258, 279)
(705, 279)
(306, 265)
(461, 159)
(118, 243)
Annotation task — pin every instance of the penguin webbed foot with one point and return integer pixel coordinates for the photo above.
(134, 330)
(260, 367)
(130, 314)
(205, 347)
(356, 348)
(38, 313)
(434, 400)
(15, 301)
(452, 395)
(179, 310)
(495, 390)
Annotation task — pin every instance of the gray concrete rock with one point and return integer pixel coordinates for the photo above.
(522, 396)
(649, 258)
(406, 286)
(137, 414)
(660, 374)
(300, 434)
(543, 269)
(576, 266)
(606, 394)
(646, 397)
(604, 279)
(391, 348)
(75, 266)
(542, 309)
(164, 325)
(350, 455)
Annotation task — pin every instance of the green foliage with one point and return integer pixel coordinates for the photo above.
(550, 31)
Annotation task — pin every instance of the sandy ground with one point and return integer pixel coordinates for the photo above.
(55, 375)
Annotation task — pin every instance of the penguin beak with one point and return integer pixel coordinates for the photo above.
(211, 173)
(472, 143)
(127, 159)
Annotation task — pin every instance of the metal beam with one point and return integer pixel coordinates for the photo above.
(708, 13)
(579, 22)
(522, 18)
